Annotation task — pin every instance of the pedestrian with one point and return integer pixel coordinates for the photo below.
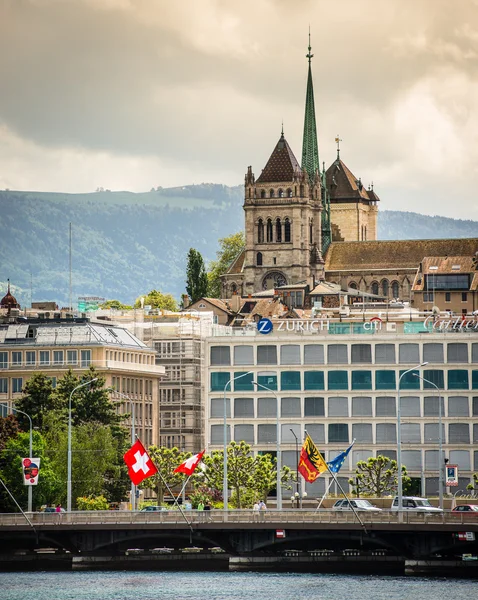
(255, 511)
(201, 510)
(207, 508)
(262, 509)
(58, 511)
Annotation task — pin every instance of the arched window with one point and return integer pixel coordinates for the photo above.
(301, 191)
(259, 259)
(269, 230)
(263, 193)
(278, 230)
(374, 288)
(353, 285)
(311, 224)
(233, 288)
(286, 230)
(281, 193)
(385, 287)
(271, 194)
(289, 193)
(250, 190)
(395, 289)
(260, 231)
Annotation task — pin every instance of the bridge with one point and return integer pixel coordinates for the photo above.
(243, 533)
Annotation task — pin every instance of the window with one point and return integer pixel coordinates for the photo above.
(314, 380)
(461, 458)
(85, 358)
(267, 407)
(433, 353)
(395, 289)
(219, 381)
(269, 228)
(475, 406)
(220, 355)
(290, 380)
(338, 380)
(17, 385)
(411, 433)
(314, 407)
(290, 407)
(386, 433)
(464, 297)
(385, 288)
(266, 434)
(433, 376)
(30, 358)
(338, 407)
(266, 355)
(362, 432)
(217, 408)
(361, 380)
(290, 354)
(244, 384)
(286, 230)
(267, 379)
(260, 225)
(243, 355)
(408, 354)
(243, 407)
(428, 297)
(44, 357)
(385, 354)
(431, 460)
(57, 357)
(412, 459)
(458, 379)
(385, 380)
(316, 432)
(385, 406)
(410, 406)
(244, 433)
(361, 353)
(3, 360)
(450, 282)
(474, 380)
(374, 288)
(3, 385)
(314, 354)
(338, 432)
(457, 353)
(16, 358)
(259, 259)
(432, 433)
(278, 230)
(337, 354)
(409, 381)
(217, 434)
(474, 353)
(447, 297)
(361, 406)
(431, 406)
(72, 357)
(458, 433)
(458, 406)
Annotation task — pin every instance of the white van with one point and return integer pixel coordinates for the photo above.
(416, 504)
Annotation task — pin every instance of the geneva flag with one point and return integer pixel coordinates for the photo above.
(189, 465)
(311, 463)
(140, 466)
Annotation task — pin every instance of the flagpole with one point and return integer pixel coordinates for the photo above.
(179, 508)
(325, 494)
(181, 491)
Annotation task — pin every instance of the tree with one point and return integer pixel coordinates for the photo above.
(196, 282)
(37, 401)
(8, 429)
(156, 299)
(230, 248)
(473, 486)
(116, 305)
(377, 477)
(166, 460)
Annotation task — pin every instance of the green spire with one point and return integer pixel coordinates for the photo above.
(310, 150)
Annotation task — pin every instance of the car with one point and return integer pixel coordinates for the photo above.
(153, 509)
(359, 505)
(466, 508)
(416, 503)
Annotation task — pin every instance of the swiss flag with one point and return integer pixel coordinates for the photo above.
(140, 466)
(189, 465)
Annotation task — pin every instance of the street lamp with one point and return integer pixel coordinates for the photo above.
(278, 450)
(399, 440)
(133, 439)
(440, 442)
(224, 481)
(297, 495)
(30, 487)
(68, 483)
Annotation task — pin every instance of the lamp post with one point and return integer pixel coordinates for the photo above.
(133, 439)
(278, 444)
(30, 487)
(440, 442)
(399, 441)
(224, 481)
(297, 495)
(68, 483)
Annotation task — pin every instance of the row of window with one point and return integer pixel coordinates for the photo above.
(456, 379)
(275, 231)
(333, 433)
(339, 406)
(132, 385)
(314, 354)
(29, 358)
(16, 384)
(131, 357)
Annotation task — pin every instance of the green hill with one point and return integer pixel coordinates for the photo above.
(125, 244)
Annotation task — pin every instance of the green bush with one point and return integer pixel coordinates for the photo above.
(92, 503)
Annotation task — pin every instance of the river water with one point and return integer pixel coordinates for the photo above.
(120, 585)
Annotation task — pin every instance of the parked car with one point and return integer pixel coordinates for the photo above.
(466, 508)
(358, 504)
(415, 503)
(153, 508)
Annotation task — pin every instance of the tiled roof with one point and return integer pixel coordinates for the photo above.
(343, 185)
(281, 166)
(237, 264)
(218, 304)
(385, 254)
(445, 265)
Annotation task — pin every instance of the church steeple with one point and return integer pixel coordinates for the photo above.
(310, 150)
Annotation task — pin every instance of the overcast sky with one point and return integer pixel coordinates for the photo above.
(131, 94)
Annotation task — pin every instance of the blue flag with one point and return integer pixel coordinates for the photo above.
(336, 464)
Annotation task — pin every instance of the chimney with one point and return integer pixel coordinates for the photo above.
(235, 303)
(185, 299)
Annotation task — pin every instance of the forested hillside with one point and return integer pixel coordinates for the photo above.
(125, 244)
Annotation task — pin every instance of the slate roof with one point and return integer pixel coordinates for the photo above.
(393, 254)
(237, 264)
(343, 185)
(282, 165)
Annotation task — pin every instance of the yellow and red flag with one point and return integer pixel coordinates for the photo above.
(311, 461)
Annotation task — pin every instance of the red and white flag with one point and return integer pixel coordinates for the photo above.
(189, 466)
(140, 466)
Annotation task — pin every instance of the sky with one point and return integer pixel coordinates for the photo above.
(135, 94)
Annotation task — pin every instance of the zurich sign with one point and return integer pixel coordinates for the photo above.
(264, 326)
